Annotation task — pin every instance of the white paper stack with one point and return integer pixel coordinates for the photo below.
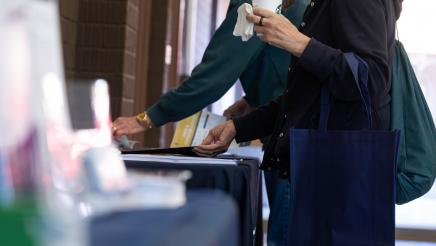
(178, 159)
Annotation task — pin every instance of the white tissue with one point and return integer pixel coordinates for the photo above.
(243, 28)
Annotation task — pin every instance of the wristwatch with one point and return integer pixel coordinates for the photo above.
(144, 120)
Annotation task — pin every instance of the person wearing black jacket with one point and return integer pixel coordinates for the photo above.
(330, 28)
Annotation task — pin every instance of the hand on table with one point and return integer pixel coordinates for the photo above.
(238, 109)
(126, 126)
(278, 31)
(218, 140)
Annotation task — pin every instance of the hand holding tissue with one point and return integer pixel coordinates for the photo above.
(245, 29)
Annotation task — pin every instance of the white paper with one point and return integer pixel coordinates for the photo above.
(178, 159)
(206, 122)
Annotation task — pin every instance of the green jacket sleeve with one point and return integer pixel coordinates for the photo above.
(225, 58)
(266, 77)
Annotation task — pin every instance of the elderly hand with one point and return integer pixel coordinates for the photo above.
(218, 140)
(276, 30)
(126, 126)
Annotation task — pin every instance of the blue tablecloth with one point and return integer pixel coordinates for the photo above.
(209, 218)
(240, 181)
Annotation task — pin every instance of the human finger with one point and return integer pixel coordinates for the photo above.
(259, 30)
(266, 13)
(209, 139)
(209, 150)
(208, 154)
(253, 19)
(119, 132)
(206, 149)
(217, 146)
(119, 121)
(115, 126)
(228, 114)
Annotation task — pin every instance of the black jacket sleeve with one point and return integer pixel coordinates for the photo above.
(259, 123)
(359, 27)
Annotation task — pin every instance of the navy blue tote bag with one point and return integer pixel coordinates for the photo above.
(343, 182)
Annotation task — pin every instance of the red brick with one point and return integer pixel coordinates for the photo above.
(69, 9)
(131, 41)
(113, 12)
(115, 107)
(90, 35)
(127, 107)
(129, 64)
(115, 82)
(128, 87)
(112, 61)
(68, 31)
(132, 16)
(69, 53)
(86, 60)
(134, 2)
(114, 36)
(116, 13)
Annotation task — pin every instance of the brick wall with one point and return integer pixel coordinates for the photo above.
(99, 41)
(69, 11)
(127, 98)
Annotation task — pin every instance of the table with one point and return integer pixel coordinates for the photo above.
(208, 218)
(242, 182)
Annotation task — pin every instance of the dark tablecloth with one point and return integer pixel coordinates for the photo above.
(209, 218)
(239, 181)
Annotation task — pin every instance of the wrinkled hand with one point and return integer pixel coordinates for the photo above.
(238, 109)
(126, 126)
(278, 31)
(218, 140)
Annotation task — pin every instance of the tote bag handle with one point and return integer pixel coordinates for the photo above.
(359, 69)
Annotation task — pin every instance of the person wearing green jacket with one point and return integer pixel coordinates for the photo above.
(262, 70)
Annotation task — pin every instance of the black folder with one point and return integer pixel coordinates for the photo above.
(187, 151)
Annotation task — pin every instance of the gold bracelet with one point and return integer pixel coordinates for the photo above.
(144, 120)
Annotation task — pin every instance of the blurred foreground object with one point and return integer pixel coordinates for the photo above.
(33, 114)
